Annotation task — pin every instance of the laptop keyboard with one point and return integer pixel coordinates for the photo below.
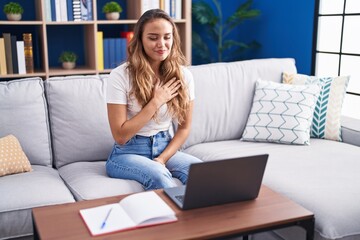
(180, 198)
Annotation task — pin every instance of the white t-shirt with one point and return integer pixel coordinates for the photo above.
(118, 92)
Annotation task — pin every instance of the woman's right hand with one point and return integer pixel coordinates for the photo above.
(164, 93)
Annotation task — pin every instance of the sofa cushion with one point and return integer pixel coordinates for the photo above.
(78, 118)
(218, 116)
(281, 113)
(323, 177)
(12, 158)
(88, 180)
(24, 114)
(326, 123)
(350, 130)
(22, 192)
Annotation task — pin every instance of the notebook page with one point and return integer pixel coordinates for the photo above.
(149, 207)
(117, 220)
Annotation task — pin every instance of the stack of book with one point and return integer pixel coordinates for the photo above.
(12, 55)
(112, 51)
(68, 10)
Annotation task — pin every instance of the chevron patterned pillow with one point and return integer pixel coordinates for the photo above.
(327, 115)
(281, 113)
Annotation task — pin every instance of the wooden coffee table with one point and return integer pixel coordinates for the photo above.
(268, 212)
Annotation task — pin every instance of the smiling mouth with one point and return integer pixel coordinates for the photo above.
(161, 51)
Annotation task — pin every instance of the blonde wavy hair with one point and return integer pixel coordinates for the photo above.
(142, 74)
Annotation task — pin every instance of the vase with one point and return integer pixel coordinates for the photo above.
(68, 65)
(112, 16)
(13, 17)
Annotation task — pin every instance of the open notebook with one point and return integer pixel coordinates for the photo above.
(134, 211)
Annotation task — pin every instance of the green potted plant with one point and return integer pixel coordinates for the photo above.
(216, 31)
(112, 10)
(68, 59)
(13, 11)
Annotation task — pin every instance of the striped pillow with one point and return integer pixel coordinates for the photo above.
(281, 113)
(326, 122)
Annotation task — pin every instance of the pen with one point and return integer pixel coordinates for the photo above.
(106, 218)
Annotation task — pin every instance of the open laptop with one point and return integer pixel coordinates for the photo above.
(219, 182)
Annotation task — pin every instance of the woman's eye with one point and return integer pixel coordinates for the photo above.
(152, 38)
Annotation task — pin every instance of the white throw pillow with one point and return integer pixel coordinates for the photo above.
(281, 113)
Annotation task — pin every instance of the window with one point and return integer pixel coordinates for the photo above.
(337, 47)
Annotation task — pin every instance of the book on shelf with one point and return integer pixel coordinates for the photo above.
(100, 50)
(63, 11)
(14, 55)
(69, 10)
(112, 53)
(134, 211)
(172, 8)
(28, 52)
(178, 9)
(57, 10)
(8, 53)
(53, 11)
(106, 44)
(120, 51)
(47, 10)
(86, 10)
(90, 9)
(3, 70)
(77, 10)
(21, 57)
(166, 6)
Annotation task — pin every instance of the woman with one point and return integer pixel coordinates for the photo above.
(144, 95)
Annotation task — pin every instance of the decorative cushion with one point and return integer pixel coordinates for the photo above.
(224, 93)
(327, 115)
(281, 113)
(12, 158)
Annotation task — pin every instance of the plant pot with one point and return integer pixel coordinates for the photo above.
(13, 17)
(112, 16)
(68, 65)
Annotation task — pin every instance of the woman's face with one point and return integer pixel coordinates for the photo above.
(157, 39)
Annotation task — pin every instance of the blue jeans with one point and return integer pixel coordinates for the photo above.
(134, 161)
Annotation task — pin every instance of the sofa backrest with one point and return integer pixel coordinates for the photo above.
(78, 119)
(224, 94)
(23, 113)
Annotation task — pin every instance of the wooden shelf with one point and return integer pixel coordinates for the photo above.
(71, 23)
(78, 70)
(37, 73)
(21, 23)
(44, 33)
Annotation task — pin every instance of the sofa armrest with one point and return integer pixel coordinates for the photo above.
(350, 130)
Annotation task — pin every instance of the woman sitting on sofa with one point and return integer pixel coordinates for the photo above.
(144, 95)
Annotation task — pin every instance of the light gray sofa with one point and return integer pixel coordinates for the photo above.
(62, 125)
